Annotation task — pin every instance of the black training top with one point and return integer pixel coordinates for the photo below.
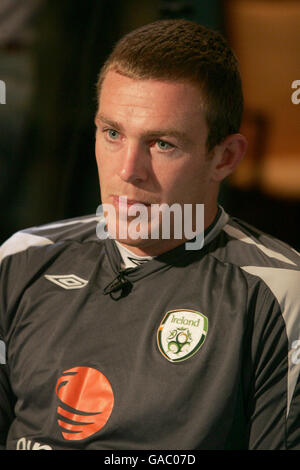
(191, 350)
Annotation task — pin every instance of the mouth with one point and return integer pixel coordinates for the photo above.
(124, 201)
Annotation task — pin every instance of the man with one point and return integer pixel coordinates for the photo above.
(133, 341)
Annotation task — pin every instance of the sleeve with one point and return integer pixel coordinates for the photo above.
(273, 403)
(15, 273)
(7, 399)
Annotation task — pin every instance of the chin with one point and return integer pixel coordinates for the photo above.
(139, 242)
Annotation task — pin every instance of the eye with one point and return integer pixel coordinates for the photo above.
(163, 145)
(112, 134)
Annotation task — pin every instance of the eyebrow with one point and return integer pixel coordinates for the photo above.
(182, 136)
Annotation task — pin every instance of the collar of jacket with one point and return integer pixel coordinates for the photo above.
(178, 256)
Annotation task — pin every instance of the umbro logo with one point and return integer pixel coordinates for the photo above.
(67, 281)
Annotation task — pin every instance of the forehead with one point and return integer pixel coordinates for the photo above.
(126, 98)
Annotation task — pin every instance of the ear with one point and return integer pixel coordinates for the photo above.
(228, 155)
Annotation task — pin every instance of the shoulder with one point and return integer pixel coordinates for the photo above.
(61, 233)
(67, 247)
(248, 245)
(263, 259)
(248, 248)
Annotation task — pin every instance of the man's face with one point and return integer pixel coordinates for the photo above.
(150, 147)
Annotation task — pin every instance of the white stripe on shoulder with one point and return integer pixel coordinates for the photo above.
(284, 283)
(236, 233)
(222, 221)
(20, 241)
(63, 224)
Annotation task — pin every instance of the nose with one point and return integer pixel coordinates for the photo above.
(134, 164)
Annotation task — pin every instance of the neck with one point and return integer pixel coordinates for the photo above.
(149, 247)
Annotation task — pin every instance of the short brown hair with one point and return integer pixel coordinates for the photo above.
(182, 50)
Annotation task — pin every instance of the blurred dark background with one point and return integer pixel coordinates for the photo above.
(50, 55)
